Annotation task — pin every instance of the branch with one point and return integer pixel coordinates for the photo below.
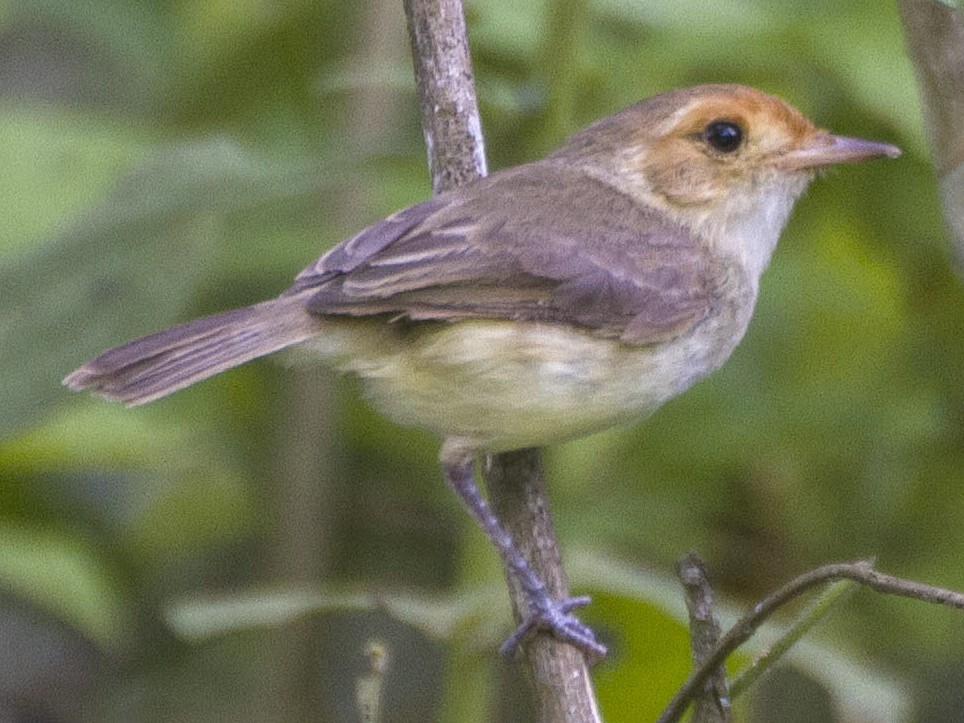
(517, 488)
(935, 43)
(713, 702)
(453, 137)
(446, 92)
(369, 686)
(831, 598)
(861, 572)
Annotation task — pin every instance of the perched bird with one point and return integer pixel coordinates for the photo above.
(542, 303)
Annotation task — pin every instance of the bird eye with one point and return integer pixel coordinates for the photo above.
(724, 136)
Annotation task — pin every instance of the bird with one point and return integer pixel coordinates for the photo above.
(541, 303)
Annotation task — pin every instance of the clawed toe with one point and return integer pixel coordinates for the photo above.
(556, 618)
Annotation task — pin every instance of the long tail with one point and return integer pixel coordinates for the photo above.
(154, 366)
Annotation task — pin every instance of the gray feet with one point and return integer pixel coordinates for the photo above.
(555, 617)
(544, 613)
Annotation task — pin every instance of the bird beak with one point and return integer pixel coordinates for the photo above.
(824, 149)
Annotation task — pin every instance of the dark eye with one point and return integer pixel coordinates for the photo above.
(724, 136)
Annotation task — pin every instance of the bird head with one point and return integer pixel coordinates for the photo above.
(726, 161)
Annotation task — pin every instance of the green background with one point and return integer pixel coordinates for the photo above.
(227, 553)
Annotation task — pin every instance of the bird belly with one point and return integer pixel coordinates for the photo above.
(508, 385)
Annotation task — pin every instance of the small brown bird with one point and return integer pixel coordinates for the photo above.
(543, 303)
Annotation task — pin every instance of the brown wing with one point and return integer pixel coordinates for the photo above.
(505, 248)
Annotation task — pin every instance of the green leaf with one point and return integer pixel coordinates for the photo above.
(62, 573)
(54, 164)
(472, 616)
(125, 267)
(200, 619)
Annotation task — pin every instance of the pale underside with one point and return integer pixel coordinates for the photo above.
(508, 385)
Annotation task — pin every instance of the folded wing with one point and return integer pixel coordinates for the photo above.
(506, 250)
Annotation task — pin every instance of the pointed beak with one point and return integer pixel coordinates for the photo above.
(824, 149)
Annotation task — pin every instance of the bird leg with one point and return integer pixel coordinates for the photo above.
(543, 612)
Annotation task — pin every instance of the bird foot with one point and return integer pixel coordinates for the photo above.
(556, 618)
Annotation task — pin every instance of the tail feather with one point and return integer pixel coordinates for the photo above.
(156, 365)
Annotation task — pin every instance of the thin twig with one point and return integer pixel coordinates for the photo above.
(862, 572)
(829, 599)
(446, 92)
(368, 687)
(934, 32)
(453, 137)
(517, 488)
(713, 703)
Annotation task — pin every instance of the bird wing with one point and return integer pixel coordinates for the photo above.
(504, 248)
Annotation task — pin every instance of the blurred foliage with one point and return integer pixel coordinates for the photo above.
(935, 44)
(167, 159)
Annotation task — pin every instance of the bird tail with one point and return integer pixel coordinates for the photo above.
(154, 366)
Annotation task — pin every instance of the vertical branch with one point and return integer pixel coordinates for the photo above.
(566, 24)
(369, 687)
(453, 137)
(446, 92)
(935, 43)
(310, 493)
(713, 705)
(517, 488)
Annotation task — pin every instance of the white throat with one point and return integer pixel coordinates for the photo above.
(748, 225)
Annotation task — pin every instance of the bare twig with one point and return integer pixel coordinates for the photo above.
(829, 600)
(518, 491)
(308, 479)
(453, 137)
(862, 572)
(368, 687)
(446, 92)
(713, 703)
(935, 43)
(566, 25)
